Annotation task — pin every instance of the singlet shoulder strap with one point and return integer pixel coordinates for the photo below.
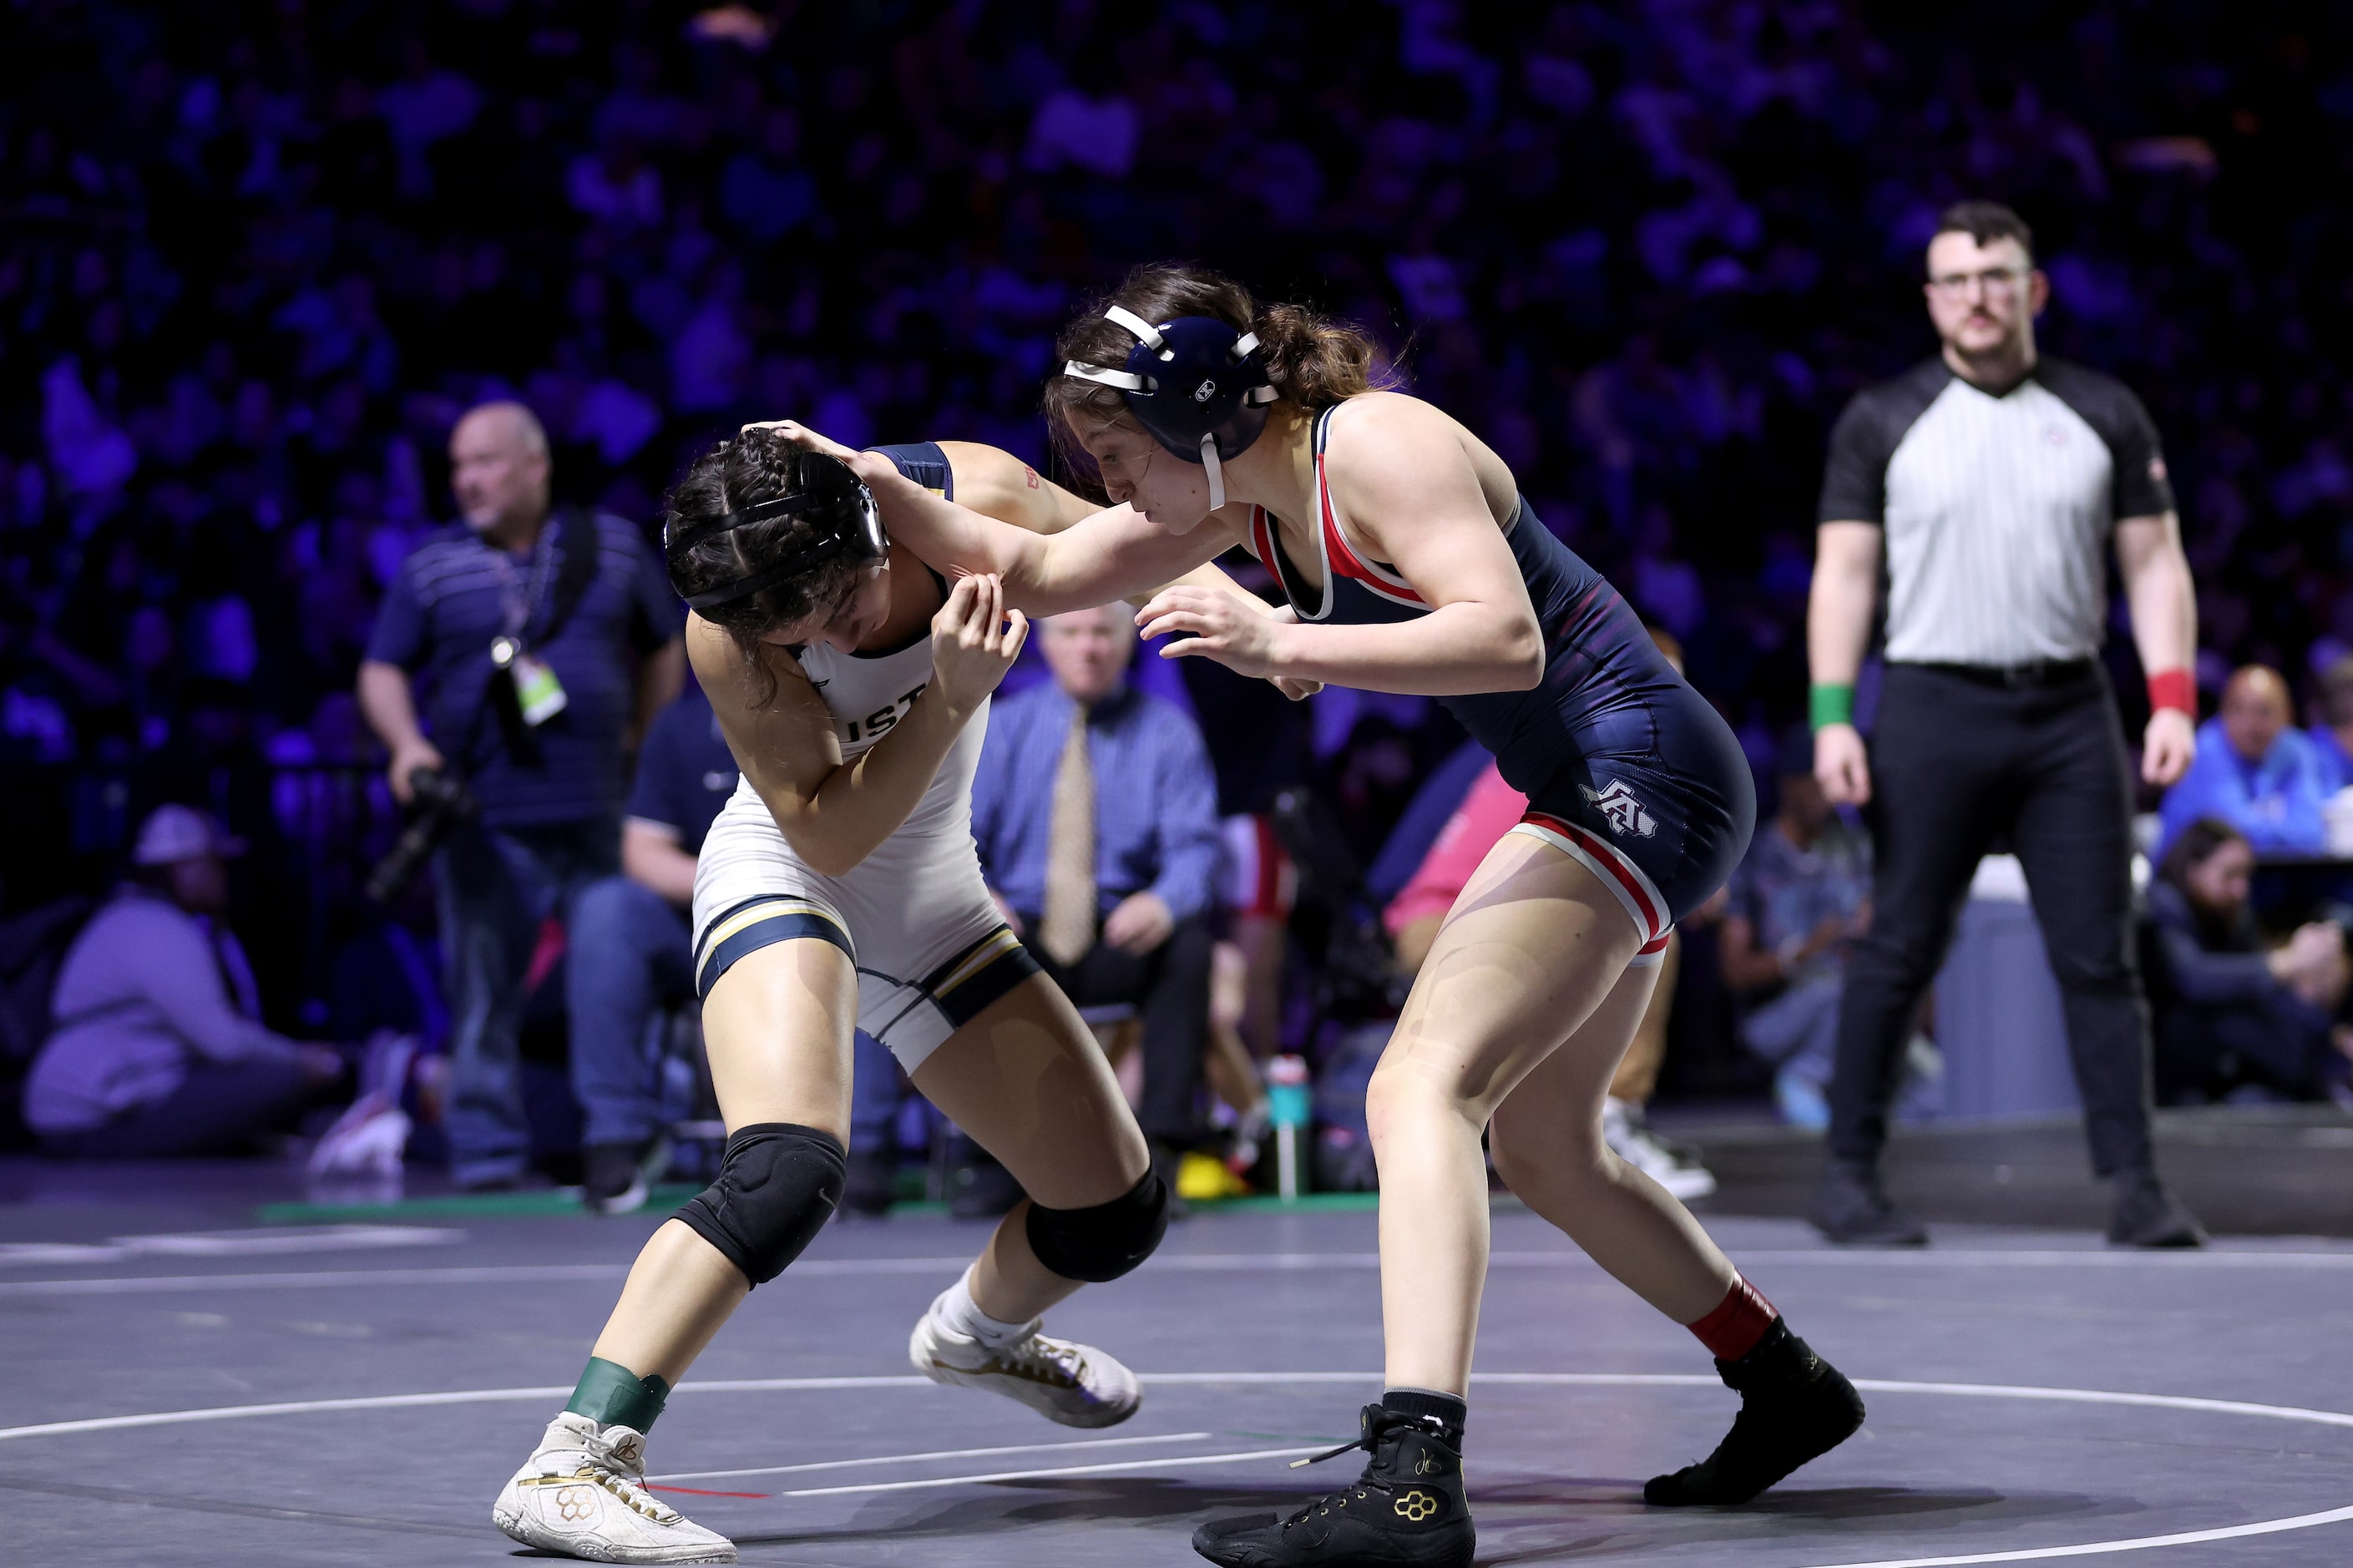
(1343, 557)
(1261, 543)
(924, 462)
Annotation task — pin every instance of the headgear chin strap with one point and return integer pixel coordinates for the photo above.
(1196, 385)
(849, 527)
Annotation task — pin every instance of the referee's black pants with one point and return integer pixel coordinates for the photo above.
(1169, 988)
(1958, 763)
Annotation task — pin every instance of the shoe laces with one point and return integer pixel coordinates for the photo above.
(619, 1468)
(1043, 1359)
(1363, 1489)
(1369, 1440)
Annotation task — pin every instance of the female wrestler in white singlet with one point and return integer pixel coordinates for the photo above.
(841, 888)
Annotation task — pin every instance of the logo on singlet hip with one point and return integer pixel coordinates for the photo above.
(1624, 811)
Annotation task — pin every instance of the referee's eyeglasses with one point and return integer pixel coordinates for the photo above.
(1998, 282)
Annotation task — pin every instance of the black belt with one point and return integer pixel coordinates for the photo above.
(2024, 677)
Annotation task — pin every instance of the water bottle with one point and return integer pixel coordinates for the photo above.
(1291, 1106)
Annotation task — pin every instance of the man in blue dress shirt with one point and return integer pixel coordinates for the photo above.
(1095, 812)
(2255, 770)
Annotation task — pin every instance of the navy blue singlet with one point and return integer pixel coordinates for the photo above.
(1624, 765)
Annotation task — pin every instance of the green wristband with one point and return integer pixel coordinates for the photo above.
(1830, 704)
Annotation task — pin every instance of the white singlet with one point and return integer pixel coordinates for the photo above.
(914, 916)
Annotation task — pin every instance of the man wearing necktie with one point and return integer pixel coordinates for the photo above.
(1095, 815)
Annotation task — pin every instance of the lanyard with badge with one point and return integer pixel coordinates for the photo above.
(539, 695)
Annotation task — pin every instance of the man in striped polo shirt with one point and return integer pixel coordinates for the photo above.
(548, 639)
(1992, 482)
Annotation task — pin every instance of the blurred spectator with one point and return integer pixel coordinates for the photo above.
(630, 955)
(157, 1045)
(2231, 1015)
(2255, 769)
(1413, 917)
(1800, 899)
(547, 639)
(2332, 738)
(1096, 816)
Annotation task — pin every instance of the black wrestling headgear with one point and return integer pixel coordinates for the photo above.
(1196, 385)
(824, 489)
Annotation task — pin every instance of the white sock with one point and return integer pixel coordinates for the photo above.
(960, 1314)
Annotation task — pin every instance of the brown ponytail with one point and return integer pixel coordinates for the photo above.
(1313, 360)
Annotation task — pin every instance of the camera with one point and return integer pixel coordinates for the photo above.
(440, 805)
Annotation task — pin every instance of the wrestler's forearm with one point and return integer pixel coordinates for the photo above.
(1456, 650)
(866, 800)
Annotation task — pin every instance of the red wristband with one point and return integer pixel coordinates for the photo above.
(2173, 689)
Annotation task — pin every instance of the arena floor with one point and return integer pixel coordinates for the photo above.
(208, 1391)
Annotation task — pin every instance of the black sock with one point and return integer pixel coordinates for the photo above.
(1448, 1412)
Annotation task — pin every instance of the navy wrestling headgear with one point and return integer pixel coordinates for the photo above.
(837, 503)
(1198, 386)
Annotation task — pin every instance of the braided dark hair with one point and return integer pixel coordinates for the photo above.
(757, 466)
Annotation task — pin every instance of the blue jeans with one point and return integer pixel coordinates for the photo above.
(496, 887)
(630, 957)
(631, 954)
(1797, 1030)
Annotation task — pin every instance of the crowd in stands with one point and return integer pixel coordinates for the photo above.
(259, 258)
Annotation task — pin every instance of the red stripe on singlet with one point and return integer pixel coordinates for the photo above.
(1610, 855)
(1345, 561)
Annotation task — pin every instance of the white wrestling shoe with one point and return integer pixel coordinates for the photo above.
(584, 1494)
(1631, 1140)
(1077, 1385)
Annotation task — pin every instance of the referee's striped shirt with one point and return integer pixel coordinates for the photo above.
(1997, 508)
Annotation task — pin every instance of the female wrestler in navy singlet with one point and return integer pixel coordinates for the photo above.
(1412, 564)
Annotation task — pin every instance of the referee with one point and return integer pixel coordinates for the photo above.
(1991, 481)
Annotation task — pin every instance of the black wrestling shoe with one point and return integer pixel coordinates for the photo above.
(1407, 1508)
(1794, 1407)
(1853, 1209)
(617, 1178)
(2146, 1215)
(1168, 1164)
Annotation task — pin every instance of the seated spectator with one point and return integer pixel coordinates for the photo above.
(157, 1045)
(1798, 900)
(629, 954)
(2253, 771)
(2229, 1015)
(2332, 738)
(1095, 813)
(1488, 811)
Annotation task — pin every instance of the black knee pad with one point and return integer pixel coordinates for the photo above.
(778, 1187)
(1101, 1243)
